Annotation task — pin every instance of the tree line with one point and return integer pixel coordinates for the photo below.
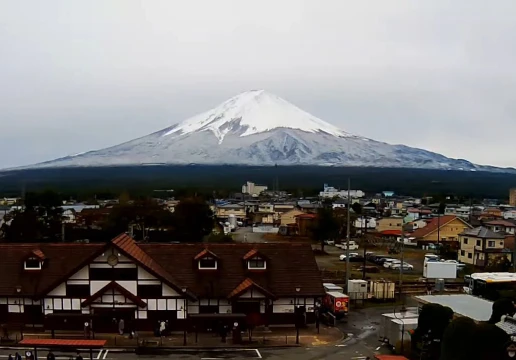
(40, 218)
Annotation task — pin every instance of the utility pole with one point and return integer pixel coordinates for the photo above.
(348, 233)
(364, 233)
(400, 285)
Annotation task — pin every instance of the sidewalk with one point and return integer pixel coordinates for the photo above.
(276, 337)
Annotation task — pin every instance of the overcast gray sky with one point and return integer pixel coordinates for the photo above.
(83, 75)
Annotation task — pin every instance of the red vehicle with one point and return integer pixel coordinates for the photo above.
(337, 303)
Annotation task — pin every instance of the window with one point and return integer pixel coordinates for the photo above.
(501, 243)
(462, 253)
(465, 241)
(479, 243)
(77, 291)
(150, 291)
(491, 243)
(32, 264)
(208, 263)
(256, 264)
(114, 273)
(470, 255)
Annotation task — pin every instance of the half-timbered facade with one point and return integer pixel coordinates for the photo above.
(62, 286)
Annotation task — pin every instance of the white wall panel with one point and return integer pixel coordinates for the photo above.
(58, 305)
(168, 291)
(97, 285)
(76, 304)
(144, 274)
(151, 304)
(83, 274)
(142, 314)
(58, 291)
(130, 286)
(162, 304)
(67, 304)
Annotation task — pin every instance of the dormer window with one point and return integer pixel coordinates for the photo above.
(34, 260)
(32, 263)
(256, 263)
(208, 263)
(255, 260)
(206, 260)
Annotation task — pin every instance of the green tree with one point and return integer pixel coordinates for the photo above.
(357, 208)
(39, 220)
(193, 220)
(140, 215)
(326, 226)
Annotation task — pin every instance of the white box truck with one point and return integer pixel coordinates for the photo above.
(439, 270)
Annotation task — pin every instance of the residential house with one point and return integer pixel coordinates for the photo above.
(503, 226)
(305, 223)
(440, 229)
(366, 224)
(389, 223)
(309, 207)
(222, 212)
(494, 212)
(62, 286)
(461, 211)
(509, 214)
(289, 217)
(481, 247)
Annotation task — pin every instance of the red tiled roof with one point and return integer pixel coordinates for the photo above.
(129, 247)
(433, 224)
(64, 343)
(253, 253)
(247, 284)
(115, 286)
(288, 265)
(61, 262)
(391, 232)
(204, 253)
(306, 216)
(501, 223)
(39, 254)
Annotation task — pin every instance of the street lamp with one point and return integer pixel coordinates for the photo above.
(185, 315)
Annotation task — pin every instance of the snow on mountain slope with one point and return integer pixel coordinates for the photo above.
(253, 112)
(259, 128)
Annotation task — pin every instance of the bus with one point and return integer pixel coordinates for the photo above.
(491, 286)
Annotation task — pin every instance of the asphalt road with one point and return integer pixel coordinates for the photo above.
(361, 327)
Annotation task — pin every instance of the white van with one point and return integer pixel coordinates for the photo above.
(352, 245)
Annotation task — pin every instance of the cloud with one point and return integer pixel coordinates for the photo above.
(84, 75)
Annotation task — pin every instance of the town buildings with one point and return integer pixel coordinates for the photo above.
(482, 247)
(62, 286)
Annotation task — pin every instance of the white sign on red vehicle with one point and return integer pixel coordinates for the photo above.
(336, 302)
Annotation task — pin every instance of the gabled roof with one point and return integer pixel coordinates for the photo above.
(130, 248)
(252, 254)
(61, 262)
(434, 223)
(246, 285)
(113, 285)
(483, 233)
(504, 223)
(204, 254)
(38, 254)
(287, 264)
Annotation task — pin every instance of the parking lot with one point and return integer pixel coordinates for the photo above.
(331, 261)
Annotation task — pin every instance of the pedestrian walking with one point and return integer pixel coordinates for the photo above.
(121, 326)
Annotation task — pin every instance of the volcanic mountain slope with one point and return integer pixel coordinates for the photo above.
(260, 128)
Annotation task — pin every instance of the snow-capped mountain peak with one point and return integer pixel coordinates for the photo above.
(259, 128)
(253, 112)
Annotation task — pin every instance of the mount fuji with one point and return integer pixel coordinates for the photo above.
(260, 128)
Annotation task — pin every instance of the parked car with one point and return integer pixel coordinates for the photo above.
(382, 259)
(351, 256)
(352, 245)
(388, 262)
(406, 266)
(329, 242)
(376, 258)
